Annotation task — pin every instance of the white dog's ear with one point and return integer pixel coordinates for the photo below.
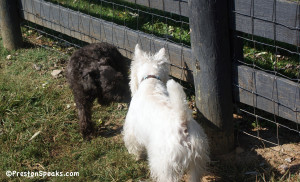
(160, 54)
(133, 79)
(137, 51)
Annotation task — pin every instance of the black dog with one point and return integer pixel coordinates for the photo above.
(97, 71)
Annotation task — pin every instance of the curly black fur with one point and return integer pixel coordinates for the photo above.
(97, 71)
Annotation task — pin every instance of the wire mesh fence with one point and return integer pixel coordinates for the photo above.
(277, 57)
(118, 15)
(112, 21)
(72, 24)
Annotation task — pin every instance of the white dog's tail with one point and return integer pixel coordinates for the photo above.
(178, 99)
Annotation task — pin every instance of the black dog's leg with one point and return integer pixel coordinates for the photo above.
(85, 114)
(84, 104)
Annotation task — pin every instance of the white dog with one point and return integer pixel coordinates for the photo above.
(159, 121)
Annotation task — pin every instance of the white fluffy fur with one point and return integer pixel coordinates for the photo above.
(159, 122)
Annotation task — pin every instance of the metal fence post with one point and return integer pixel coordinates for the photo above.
(10, 25)
(212, 71)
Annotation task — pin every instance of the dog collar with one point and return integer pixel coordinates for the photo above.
(151, 76)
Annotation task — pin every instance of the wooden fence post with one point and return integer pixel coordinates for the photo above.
(10, 25)
(212, 71)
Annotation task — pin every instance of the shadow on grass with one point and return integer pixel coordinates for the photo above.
(109, 130)
(28, 45)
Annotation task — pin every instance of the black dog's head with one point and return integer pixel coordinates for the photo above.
(101, 72)
(114, 85)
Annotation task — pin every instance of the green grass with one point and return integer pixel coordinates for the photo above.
(264, 57)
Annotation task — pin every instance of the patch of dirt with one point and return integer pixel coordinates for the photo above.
(284, 157)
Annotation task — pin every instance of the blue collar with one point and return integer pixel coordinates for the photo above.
(151, 76)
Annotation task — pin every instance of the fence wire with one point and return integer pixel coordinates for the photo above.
(284, 62)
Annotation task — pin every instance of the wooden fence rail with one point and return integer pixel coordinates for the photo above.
(267, 92)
